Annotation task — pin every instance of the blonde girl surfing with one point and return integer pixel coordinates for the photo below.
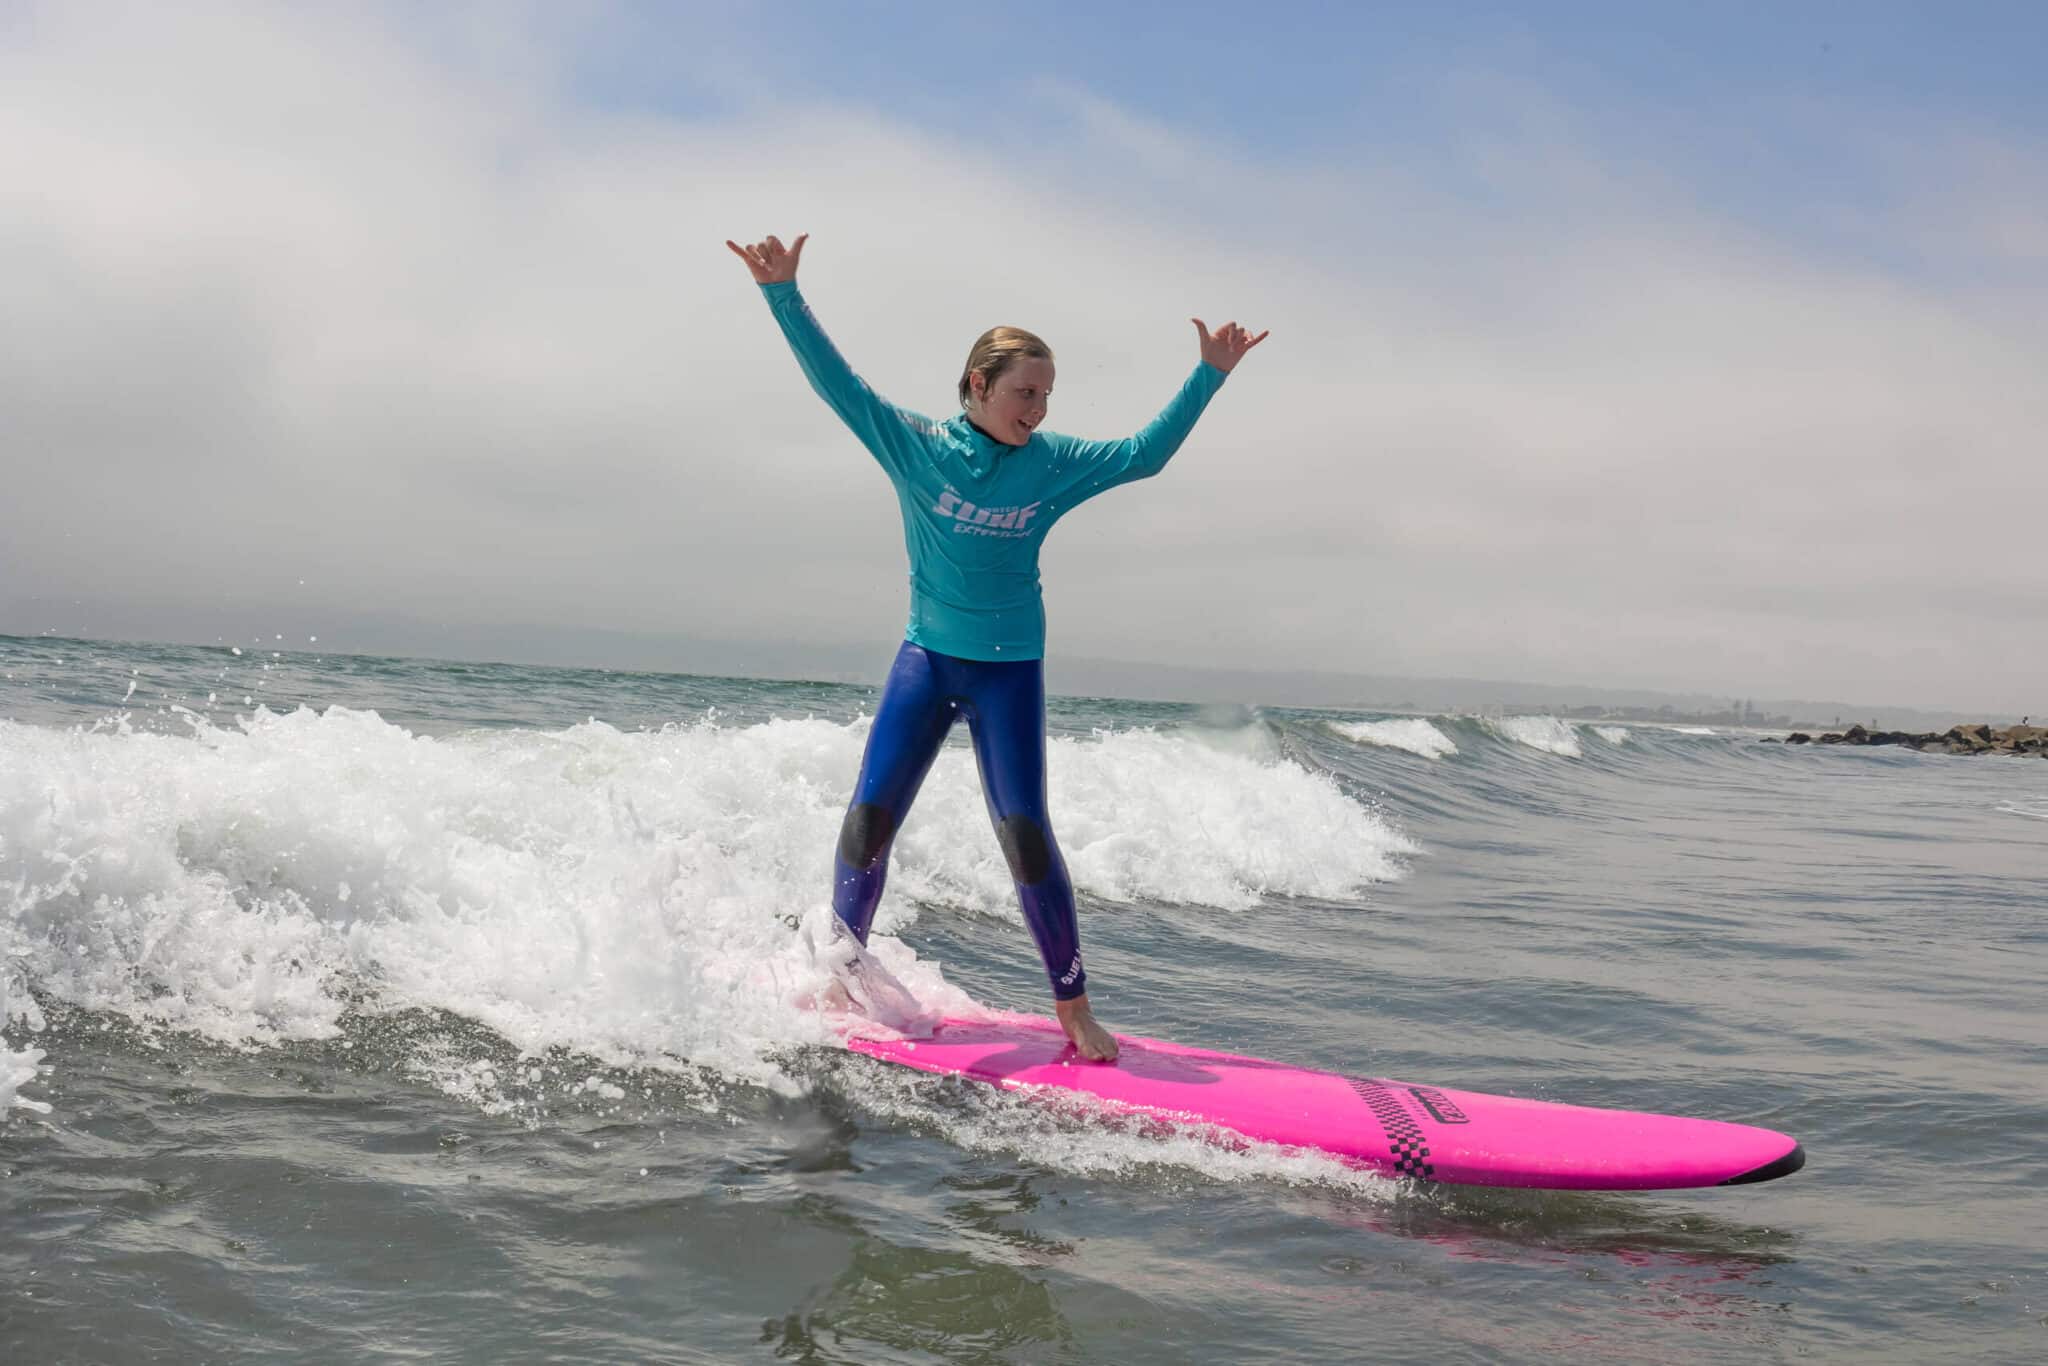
(978, 491)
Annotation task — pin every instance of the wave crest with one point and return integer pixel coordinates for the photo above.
(1547, 734)
(1413, 734)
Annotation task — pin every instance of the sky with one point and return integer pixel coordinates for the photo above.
(1625, 345)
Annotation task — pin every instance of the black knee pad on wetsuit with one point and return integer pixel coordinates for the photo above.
(1026, 848)
(864, 836)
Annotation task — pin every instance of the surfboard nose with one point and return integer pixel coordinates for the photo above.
(1771, 1171)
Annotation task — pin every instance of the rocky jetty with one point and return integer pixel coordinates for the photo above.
(1977, 739)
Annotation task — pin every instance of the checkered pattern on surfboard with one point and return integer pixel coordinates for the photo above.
(1407, 1149)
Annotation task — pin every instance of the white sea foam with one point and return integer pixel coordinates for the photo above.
(1413, 734)
(1613, 735)
(1078, 1133)
(1695, 730)
(634, 897)
(2035, 807)
(18, 1069)
(18, 1011)
(1545, 733)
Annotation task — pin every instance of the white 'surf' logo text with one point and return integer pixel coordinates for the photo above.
(979, 521)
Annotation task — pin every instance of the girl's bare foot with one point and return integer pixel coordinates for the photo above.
(1091, 1040)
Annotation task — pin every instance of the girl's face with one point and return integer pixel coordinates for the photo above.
(1011, 409)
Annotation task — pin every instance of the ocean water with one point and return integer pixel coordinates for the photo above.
(370, 1009)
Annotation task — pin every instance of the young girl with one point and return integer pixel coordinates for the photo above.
(978, 492)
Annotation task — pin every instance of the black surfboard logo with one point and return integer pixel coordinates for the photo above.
(1441, 1107)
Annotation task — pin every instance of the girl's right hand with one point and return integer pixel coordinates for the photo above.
(770, 261)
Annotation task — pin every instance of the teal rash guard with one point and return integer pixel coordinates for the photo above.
(975, 511)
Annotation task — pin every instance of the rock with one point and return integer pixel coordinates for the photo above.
(1968, 738)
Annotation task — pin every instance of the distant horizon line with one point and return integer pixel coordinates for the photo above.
(1102, 679)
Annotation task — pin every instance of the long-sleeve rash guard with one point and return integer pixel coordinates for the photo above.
(975, 511)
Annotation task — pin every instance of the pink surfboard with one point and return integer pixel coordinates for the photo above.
(1398, 1128)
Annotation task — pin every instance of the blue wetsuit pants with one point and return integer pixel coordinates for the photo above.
(1004, 703)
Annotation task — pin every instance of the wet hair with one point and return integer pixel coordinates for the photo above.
(994, 352)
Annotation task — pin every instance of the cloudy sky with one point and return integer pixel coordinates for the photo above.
(1693, 347)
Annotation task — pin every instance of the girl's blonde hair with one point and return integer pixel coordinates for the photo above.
(994, 351)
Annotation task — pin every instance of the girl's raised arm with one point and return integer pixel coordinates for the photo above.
(891, 434)
(1095, 466)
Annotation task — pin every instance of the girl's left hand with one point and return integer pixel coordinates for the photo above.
(1227, 347)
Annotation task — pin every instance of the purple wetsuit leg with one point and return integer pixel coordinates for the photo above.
(1007, 720)
(910, 724)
